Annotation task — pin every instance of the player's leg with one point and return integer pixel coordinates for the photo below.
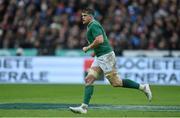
(93, 74)
(107, 63)
(88, 92)
(116, 81)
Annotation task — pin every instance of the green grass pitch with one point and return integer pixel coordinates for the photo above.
(53, 100)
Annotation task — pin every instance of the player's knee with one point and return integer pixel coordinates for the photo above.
(93, 73)
(89, 80)
(114, 79)
(113, 75)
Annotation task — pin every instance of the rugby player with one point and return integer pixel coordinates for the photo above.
(104, 62)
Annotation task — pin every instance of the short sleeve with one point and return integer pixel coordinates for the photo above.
(96, 31)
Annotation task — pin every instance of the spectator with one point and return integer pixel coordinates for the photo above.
(52, 24)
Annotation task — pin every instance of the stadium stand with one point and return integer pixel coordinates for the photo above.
(48, 25)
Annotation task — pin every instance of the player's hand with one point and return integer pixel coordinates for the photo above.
(93, 54)
(85, 49)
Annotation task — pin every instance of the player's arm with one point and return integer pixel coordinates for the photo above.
(98, 40)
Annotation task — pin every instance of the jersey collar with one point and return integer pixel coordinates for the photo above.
(90, 22)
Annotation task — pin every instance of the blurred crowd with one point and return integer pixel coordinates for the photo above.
(56, 24)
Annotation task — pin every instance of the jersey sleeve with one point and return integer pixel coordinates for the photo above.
(96, 31)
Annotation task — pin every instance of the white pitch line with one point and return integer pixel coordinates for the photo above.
(91, 106)
(136, 107)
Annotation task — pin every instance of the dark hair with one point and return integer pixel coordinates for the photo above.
(88, 11)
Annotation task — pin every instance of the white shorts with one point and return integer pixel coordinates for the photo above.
(106, 62)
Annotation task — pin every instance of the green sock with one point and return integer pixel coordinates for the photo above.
(127, 83)
(88, 93)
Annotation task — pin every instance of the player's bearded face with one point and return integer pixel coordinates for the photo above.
(85, 18)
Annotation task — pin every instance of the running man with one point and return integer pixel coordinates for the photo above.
(104, 62)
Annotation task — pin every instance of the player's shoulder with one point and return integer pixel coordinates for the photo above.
(95, 24)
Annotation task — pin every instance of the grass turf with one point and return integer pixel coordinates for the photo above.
(73, 94)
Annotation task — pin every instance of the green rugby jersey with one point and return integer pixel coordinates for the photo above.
(94, 29)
